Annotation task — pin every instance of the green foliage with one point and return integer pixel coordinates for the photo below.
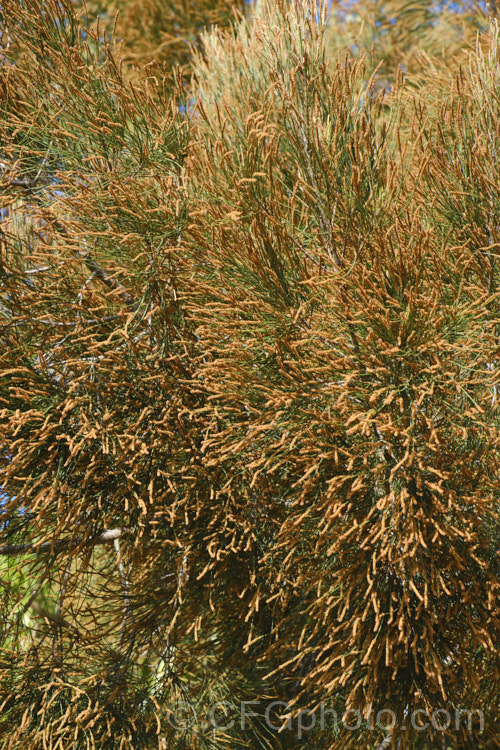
(249, 377)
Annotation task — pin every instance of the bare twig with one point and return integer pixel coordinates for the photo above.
(62, 545)
(52, 617)
(100, 273)
(127, 605)
(386, 742)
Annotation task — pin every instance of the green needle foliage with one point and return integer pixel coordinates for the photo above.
(249, 401)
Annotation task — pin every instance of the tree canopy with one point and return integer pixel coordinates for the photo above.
(249, 405)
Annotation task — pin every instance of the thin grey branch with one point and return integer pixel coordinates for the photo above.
(386, 742)
(63, 544)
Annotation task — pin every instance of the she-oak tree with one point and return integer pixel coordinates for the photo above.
(249, 328)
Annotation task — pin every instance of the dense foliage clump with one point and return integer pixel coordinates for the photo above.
(249, 326)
